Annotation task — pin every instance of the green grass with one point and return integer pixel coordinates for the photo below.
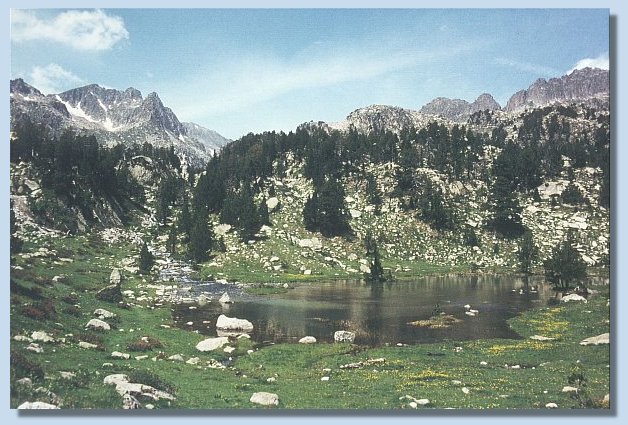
(421, 371)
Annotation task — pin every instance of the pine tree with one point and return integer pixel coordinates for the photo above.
(565, 265)
(326, 211)
(264, 215)
(201, 238)
(146, 260)
(172, 240)
(505, 210)
(249, 220)
(373, 195)
(185, 220)
(527, 252)
(372, 254)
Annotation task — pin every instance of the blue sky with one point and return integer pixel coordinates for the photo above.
(237, 71)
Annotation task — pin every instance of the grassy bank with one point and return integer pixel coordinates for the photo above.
(54, 291)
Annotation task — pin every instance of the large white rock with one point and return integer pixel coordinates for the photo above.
(573, 297)
(41, 336)
(101, 313)
(87, 345)
(98, 324)
(272, 203)
(232, 323)
(211, 344)
(120, 356)
(344, 336)
(265, 399)
(597, 340)
(115, 278)
(365, 269)
(307, 340)
(222, 229)
(36, 405)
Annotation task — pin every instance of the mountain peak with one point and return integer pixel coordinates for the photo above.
(579, 85)
(458, 109)
(19, 86)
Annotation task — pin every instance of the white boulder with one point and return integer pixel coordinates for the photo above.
(232, 323)
(98, 324)
(211, 344)
(344, 336)
(265, 399)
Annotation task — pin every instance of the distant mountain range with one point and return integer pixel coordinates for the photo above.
(114, 117)
(583, 85)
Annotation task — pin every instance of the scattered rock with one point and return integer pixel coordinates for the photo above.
(35, 348)
(465, 390)
(87, 345)
(193, 360)
(573, 297)
(98, 325)
(228, 350)
(423, 402)
(222, 229)
(130, 391)
(41, 336)
(365, 269)
(120, 356)
(176, 358)
(568, 389)
(344, 336)
(272, 203)
(307, 272)
(307, 340)
(67, 375)
(26, 382)
(232, 323)
(483, 363)
(551, 406)
(101, 313)
(325, 378)
(36, 405)
(596, 340)
(541, 338)
(225, 299)
(115, 278)
(265, 399)
(211, 344)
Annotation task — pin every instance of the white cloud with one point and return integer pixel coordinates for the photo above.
(82, 30)
(530, 68)
(599, 62)
(52, 78)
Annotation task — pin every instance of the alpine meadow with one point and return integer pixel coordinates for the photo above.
(257, 245)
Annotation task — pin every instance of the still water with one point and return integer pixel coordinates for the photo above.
(378, 314)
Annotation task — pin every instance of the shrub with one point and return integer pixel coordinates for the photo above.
(24, 367)
(147, 343)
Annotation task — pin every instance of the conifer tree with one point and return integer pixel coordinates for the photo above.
(172, 239)
(372, 254)
(146, 260)
(565, 265)
(201, 238)
(527, 252)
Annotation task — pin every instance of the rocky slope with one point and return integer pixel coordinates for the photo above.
(580, 85)
(114, 117)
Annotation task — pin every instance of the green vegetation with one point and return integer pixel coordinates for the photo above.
(565, 266)
(438, 371)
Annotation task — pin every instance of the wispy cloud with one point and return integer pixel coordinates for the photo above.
(81, 30)
(527, 67)
(255, 80)
(599, 62)
(52, 78)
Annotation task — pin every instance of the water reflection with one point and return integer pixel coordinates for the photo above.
(379, 313)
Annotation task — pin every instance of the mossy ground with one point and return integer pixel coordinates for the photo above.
(438, 372)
